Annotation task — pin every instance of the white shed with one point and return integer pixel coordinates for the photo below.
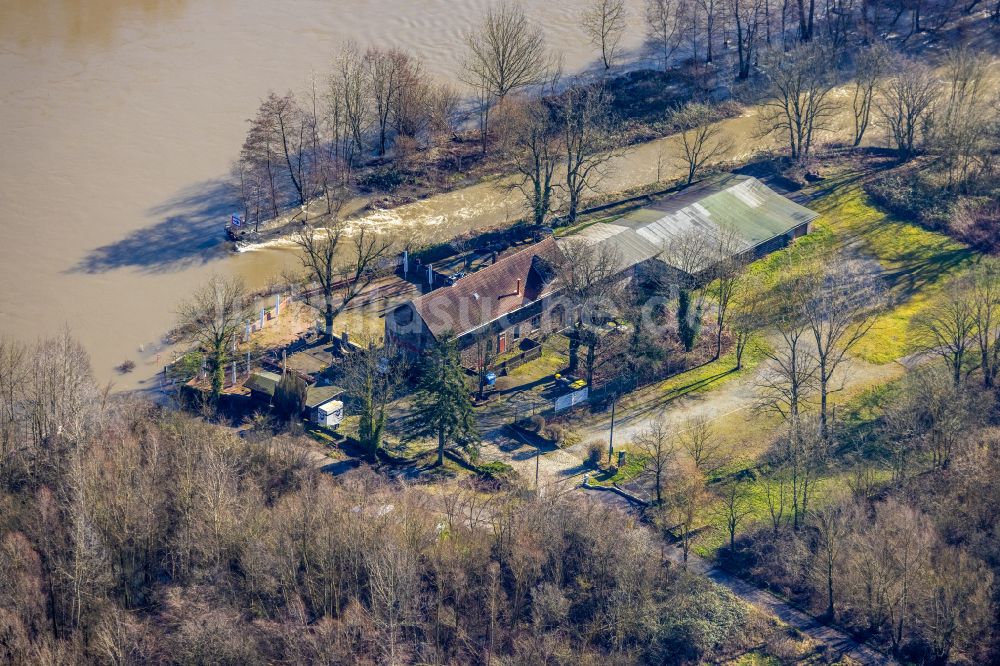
(323, 407)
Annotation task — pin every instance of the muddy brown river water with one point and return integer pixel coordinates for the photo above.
(119, 120)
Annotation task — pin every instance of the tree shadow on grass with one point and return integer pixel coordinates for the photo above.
(921, 268)
(188, 232)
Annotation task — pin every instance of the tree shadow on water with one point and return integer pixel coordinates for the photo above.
(188, 231)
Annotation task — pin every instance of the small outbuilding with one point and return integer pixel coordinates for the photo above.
(262, 385)
(323, 407)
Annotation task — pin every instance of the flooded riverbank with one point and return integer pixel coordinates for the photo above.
(120, 121)
(118, 125)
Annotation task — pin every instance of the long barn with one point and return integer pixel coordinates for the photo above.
(519, 296)
(756, 220)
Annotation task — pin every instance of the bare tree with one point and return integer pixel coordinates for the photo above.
(963, 125)
(213, 318)
(806, 19)
(790, 378)
(728, 279)
(701, 444)
(735, 508)
(985, 299)
(657, 447)
(293, 130)
(687, 498)
(663, 28)
(799, 105)
(907, 99)
(604, 22)
(802, 454)
(686, 258)
(870, 68)
(536, 153)
(384, 72)
(711, 10)
(321, 246)
(587, 145)
(699, 137)
(505, 53)
(832, 525)
(775, 479)
(746, 319)
(587, 276)
(351, 101)
(421, 105)
(14, 369)
(841, 305)
(747, 15)
(947, 330)
(258, 166)
(373, 376)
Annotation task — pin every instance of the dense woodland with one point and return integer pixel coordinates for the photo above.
(136, 535)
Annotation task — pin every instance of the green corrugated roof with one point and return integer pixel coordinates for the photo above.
(755, 211)
(741, 203)
(264, 382)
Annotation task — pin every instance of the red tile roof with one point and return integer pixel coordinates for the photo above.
(491, 292)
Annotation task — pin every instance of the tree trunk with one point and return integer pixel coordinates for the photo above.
(440, 458)
(829, 586)
(328, 316)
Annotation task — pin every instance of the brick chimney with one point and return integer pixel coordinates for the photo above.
(518, 291)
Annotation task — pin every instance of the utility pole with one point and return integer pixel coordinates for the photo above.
(611, 439)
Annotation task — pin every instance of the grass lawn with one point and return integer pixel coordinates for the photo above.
(634, 465)
(705, 377)
(916, 261)
(555, 357)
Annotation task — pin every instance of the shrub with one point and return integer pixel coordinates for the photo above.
(126, 366)
(497, 471)
(289, 396)
(595, 453)
(382, 180)
(908, 195)
(556, 432)
(186, 367)
(697, 623)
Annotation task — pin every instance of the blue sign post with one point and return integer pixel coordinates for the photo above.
(237, 222)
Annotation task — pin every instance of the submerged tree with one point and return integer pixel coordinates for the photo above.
(605, 22)
(663, 28)
(699, 137)
(505, 53)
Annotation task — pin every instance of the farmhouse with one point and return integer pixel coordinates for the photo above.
(502, 303)
(518, 296)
